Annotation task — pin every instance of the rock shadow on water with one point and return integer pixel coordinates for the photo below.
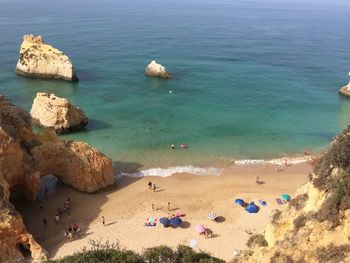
(125, 172)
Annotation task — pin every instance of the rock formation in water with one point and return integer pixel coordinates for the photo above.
(40, 60)
(315, 226)
(25, 157)
(49, 110)
(156, 70)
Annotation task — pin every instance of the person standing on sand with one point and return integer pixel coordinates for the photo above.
(257, 180)
(154, 187)
(57, 219)
(149, 185)
(168, 206)
(153, 208)
(276, 168)
(103, 220)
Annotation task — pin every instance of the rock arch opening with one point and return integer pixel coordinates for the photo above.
(25, 250)
(48, 184)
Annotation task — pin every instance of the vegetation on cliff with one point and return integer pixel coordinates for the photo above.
(108, 253)
(315, 226)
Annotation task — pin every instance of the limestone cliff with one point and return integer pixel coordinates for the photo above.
(345, 90)
(40, 60)
(315, 227)
(157, 70)
(49, 110)
(24, 158)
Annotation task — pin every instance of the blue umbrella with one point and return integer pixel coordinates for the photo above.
(252, 208)
(239, 202)
(165, 221)
(175, 221)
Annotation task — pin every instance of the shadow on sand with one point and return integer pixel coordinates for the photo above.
(47, 208)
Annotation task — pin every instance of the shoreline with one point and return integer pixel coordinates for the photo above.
(215, 170)
(127, 206)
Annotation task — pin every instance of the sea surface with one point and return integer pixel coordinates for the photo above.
(251, 79)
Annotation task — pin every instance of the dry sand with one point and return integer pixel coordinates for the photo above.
(127, 206)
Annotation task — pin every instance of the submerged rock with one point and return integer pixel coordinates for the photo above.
(25, 157)
(156, 70)
(40, 60)
(49, 110)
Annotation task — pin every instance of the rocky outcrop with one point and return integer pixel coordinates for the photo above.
(49, 110)
(315, 227)
(156, 70)
(24, 158)
(345, 90)
(13, 234)
(40, 60)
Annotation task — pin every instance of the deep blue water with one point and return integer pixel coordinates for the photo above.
(252, 79)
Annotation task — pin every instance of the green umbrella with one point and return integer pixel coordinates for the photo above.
(285, 197)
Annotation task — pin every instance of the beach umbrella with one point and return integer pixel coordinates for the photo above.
(239, 202)
(252, 208)
(151, 219)
(285, 197)
(165, 221)
(199, 228)
(175, 221)
(212, 216)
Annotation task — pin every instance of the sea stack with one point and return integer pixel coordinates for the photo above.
(157, 70)
(346, 89)
(49, 110)
(40, 60)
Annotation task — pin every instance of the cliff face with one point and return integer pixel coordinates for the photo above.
(49, 110)
(24, 158)
(37, 59)
(315, 227)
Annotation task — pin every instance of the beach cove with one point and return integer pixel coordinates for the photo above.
(127, 207)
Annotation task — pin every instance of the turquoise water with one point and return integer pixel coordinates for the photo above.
(252, 79)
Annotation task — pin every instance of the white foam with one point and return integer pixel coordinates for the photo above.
(166, 172)
(280, 161)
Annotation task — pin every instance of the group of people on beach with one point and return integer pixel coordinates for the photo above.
(73, 229)
(152, 186)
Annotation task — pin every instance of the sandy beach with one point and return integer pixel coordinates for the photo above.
(127, 206)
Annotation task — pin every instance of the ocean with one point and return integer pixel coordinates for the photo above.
(251, 79)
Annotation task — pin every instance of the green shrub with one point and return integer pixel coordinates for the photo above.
(298, 202)
(161, 254)
(256, 240)
(276, 215)
(281, 258)
(111, 253)
(337, 187)
(299, 222)
(332, 253)
(186, 254)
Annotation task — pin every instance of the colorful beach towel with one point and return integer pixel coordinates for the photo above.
(279, 201)
(262, 202)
